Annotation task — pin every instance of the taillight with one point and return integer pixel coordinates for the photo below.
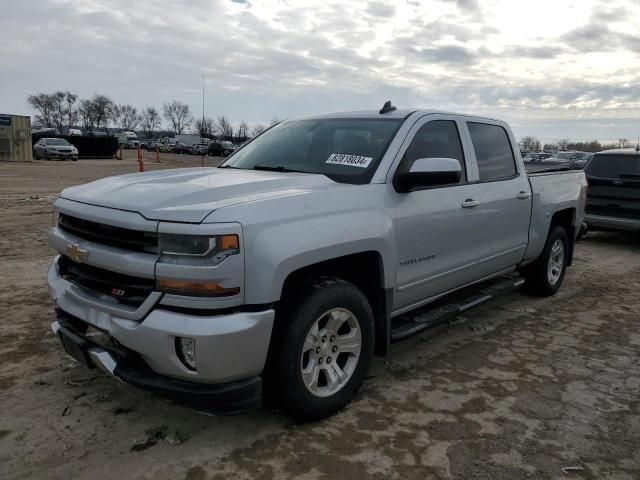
(586, 196)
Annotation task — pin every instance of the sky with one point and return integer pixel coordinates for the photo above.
(552, 68)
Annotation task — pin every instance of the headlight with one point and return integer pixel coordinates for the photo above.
(196, 250)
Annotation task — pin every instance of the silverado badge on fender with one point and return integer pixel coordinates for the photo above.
(75, 253)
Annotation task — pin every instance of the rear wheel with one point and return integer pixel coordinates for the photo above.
(323, 350)
(546, 274)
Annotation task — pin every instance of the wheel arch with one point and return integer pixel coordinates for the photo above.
(565, 218)
(363, 269)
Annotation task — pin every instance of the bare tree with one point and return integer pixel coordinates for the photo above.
(103, 108)
(178, 115)
(70, 110)
(42, 104)
(150, 119)
(242, 132)
(224, 127)
(563, 144)
(205, 127)
(54, 109)
(530, 143)
(86, 115)
(58, 110)
(624, 143)
(126, 116)
(257, 130)
(274, 120)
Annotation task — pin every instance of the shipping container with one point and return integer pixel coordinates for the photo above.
(15, 138)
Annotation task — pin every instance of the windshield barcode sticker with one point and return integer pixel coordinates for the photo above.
(351, 160)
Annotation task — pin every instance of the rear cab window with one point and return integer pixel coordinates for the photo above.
(614, 166)
(494, 153)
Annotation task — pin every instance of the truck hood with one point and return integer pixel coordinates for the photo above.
(189, 195)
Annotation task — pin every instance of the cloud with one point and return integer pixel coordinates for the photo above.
(380, 9)
(448, 54)
(283, 58)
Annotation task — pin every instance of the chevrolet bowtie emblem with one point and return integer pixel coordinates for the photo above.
(75, 253)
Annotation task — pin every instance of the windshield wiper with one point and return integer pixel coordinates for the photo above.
(278, 168)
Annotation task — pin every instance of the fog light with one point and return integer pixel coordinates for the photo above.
(186, 350)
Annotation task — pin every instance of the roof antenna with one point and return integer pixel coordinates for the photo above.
(638, 146)
(387, 107)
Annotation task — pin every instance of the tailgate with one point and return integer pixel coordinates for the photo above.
(614, 186)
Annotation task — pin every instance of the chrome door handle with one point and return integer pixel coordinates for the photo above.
(523, 195)
(470, 203)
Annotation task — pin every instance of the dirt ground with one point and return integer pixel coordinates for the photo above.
(519, 388)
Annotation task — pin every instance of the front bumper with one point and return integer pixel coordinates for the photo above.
(611, 223)
(62, 155)
(225, 398)
(228, 347)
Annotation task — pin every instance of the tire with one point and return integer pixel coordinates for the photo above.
(322, 303)
(543, 278)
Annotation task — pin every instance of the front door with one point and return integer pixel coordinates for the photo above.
(435, 227)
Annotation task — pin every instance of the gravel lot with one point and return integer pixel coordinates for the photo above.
(519, 388)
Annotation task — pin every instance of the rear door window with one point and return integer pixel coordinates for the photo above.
(493, 151)
(614, 166)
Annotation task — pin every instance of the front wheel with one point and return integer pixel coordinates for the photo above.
(323, 349)
(546, 274)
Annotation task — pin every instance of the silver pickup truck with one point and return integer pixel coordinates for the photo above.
(303, 254)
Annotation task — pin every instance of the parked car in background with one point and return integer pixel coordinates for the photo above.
(151, 145)
(580, 159)
(180, 147)
(221, 148)
(567, 157)
(199, 148)
(614, 190)
(303, 254)
(54, 148)
(536, 156)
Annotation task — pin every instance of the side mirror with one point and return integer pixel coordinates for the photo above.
(427, 172)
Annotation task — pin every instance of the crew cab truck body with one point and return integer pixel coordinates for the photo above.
(292, 260)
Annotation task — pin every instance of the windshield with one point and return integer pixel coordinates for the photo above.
(563, 155)
(614, 166)
(57, 141)
(346, 150)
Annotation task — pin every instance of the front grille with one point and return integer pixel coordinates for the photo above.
(124, 288)
(125, 238)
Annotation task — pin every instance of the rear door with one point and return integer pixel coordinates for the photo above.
(505, 197)
(614, 186)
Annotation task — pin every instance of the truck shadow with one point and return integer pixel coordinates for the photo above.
(629, 240)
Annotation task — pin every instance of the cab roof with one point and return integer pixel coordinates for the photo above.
(398, 113)
(620, 151)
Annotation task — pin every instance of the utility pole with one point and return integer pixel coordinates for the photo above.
(202, 112)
